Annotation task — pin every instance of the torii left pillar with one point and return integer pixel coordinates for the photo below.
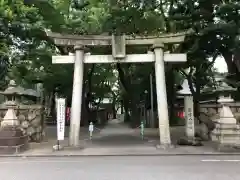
(75, 120)
(163, 120)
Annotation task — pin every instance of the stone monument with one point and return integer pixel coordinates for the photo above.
(188, 109)
(189, 138)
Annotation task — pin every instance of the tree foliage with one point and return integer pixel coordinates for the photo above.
(26, 51)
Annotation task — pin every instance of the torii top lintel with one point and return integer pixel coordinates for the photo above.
(103, 40)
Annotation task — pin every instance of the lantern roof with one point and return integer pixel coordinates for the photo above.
(185, 88)
(13, 89)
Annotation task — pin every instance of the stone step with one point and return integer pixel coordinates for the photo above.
(227, 126)
(232, 141)
(226, 138)
(226, 132)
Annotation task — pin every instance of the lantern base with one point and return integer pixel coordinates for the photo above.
(12, 140)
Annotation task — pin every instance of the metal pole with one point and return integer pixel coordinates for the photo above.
(142, 129)
(151, 94)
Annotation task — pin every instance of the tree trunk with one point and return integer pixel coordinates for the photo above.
(114, 106)
(228, 56)
(196, 96)
(86, 95)
(88, 88)
(170, 81)
(129, 97)
(236, 59)
(135, 115)
(49, 102)
(126, 109)
(122, 108)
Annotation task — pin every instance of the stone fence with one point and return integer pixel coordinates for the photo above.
(31, 119)
(212, 110)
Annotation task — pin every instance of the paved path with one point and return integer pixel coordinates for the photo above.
(115, 126)
(116, 139)
(121, 168)
(51, 132)
(116, 133)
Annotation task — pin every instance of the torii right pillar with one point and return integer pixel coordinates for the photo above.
(163, 119)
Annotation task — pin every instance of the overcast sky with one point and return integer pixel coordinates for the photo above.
(220, 65)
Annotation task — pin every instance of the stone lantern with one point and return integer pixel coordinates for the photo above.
(12, 138)
(224, 98)
(185, 92)
(227, 131)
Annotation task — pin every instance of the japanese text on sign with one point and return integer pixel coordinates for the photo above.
(60, 118)
(189, 116)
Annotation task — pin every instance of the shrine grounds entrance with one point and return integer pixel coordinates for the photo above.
(119, 45)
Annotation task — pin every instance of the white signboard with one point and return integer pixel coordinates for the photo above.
(61, 109)
(189, 116)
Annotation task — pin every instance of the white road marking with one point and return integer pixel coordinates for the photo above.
(232, 160)
(38, 161)
(218, 160)
(210, 160)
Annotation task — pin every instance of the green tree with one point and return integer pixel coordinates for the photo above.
(215, 26)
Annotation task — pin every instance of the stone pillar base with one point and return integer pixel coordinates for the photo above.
(165, 146)
(12, 140)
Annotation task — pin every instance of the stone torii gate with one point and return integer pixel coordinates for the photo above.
(119, 44)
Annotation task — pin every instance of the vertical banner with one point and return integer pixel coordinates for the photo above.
(189, 116)
(61, 109)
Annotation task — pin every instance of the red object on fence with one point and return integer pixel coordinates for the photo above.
(180, 114)
(68, 113)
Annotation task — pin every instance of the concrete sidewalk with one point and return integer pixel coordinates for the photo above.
(117, 139)
(46, 150)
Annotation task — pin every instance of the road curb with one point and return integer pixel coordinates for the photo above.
(109, 155)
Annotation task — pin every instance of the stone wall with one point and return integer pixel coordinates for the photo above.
(212, 110)
(31, 118)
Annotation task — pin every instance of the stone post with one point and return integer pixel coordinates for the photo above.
(189, 117)
(76, 96)
(163, 118)
(189, 138)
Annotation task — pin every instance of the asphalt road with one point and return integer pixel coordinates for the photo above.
(121, 168)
